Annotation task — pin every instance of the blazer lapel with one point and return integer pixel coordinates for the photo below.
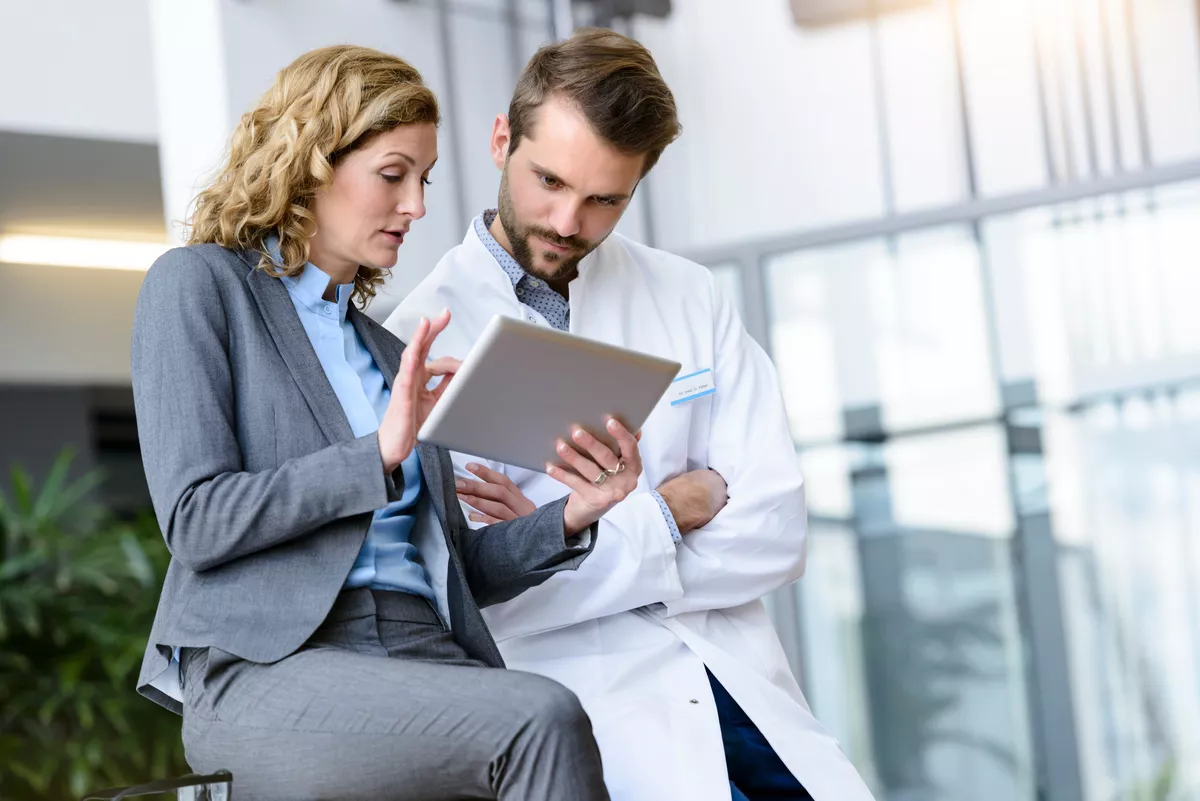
(386, 349)
(297, 351)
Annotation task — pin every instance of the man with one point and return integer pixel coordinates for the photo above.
(662, 632)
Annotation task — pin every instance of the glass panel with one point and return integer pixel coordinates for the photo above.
(913, 656)
(1166, 33)
(999, 69)
(1099, 295)
(729, 282)
(898, 334)
(835, 666)
(1124, 481)
(924, 126)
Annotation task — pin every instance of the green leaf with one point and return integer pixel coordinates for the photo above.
(77, 598)
(138, 562)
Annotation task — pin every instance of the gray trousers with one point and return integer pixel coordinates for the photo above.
(382, 703)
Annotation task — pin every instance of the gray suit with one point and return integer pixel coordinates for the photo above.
(265, 496)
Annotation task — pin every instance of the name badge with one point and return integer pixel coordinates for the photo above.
(692, 386)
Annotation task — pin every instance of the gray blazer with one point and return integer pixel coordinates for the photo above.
(263, 493)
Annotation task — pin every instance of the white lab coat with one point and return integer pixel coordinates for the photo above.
(632, 630)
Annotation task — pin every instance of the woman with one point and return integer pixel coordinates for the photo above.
(319, 626)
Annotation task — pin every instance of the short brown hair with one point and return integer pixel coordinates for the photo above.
(612, 80)
(324, 105)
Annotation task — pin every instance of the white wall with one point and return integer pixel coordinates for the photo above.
(779, 129)
(77, 69)
(66, 326)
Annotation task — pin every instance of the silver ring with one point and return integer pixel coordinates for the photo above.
(600, 479)
(620, 468)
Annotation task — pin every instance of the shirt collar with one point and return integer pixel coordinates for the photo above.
(513, 270)
(309, 287)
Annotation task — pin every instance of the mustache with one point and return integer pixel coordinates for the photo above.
(555, 239)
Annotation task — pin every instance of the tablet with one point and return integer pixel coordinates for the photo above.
(523, 386)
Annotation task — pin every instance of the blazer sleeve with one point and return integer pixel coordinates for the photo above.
(210, 509)
(504, 559)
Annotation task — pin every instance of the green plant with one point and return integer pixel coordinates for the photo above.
(78, 590)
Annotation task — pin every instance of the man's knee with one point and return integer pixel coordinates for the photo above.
(549, 706)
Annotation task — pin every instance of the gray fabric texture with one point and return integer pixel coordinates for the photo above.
(382, 703)
(263, 493)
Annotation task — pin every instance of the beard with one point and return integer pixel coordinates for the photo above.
(563, 266)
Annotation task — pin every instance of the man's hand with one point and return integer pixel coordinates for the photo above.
(598, 477)
(695, 498)
(495, 497)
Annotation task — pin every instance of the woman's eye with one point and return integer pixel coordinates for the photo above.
(391, 179)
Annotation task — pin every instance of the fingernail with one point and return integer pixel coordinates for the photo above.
(562, 447)
(612, 424)
(460, 484)
(474, 468)
(551, 469)
(578, 433)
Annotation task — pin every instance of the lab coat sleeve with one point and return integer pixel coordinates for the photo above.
(632, 565)
(757, 543)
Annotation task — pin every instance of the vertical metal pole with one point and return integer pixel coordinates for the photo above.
(1053, 174)
(1139, 93)
(1085, 94)
(964, 111)
(516, 60)
(450, 97)
(881, 111)
(1034, 552)
(562, 19)
(1110, 83)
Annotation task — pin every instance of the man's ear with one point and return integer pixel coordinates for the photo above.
(501, 136)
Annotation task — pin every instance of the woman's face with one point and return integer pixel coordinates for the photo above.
(377, 192)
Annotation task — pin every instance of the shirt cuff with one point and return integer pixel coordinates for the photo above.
(676, 537)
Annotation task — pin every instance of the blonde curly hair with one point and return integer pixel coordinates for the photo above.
(322, 106)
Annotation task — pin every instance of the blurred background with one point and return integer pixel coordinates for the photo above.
(963, 229)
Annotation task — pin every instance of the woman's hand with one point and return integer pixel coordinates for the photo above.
(598, 477)
(495, 497)
(412, 400)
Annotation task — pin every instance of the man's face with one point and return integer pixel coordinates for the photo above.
(562, 191)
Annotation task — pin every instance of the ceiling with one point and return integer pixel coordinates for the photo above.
(80, 187)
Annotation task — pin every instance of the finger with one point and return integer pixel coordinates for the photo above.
(629, 448)
(409, 363)
(492, 476)
(601, 454)
(436, 327)
(446, 365)
(575, 460)
(441, 388)
(420, 333)
(482, 490)
(571, 479)
(439, 323)
(478, 518)
(487, 507)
